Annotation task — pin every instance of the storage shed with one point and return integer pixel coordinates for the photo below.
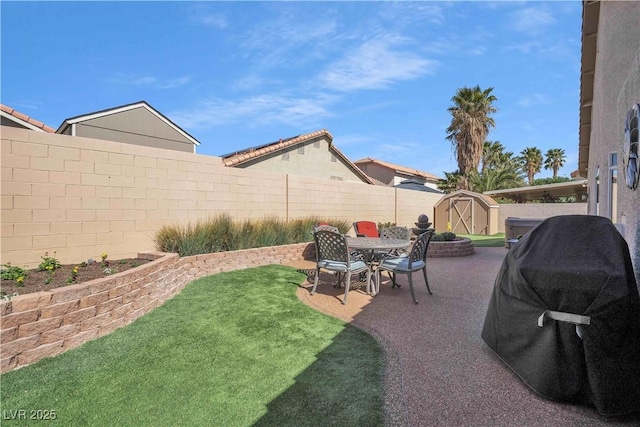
(467, 212)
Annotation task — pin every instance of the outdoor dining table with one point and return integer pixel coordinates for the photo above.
(369, 246)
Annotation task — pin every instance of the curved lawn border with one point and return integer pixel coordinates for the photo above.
(44, 324)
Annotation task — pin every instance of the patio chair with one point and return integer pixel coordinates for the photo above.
(332, 254)
(394, 232)
(325, 226)
(417, 260)
(366, 229)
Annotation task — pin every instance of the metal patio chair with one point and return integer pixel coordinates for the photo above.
(332, 254)
(416, 260)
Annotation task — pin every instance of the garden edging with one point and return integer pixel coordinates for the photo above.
(45, 324)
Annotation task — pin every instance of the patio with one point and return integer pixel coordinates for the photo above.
(439, 371)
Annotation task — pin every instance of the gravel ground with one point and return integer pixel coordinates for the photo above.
(439, 372)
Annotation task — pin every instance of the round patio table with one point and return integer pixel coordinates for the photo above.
(371, 246)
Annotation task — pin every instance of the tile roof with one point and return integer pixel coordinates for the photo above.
(26, 119)
(398, 168)
(239, 157)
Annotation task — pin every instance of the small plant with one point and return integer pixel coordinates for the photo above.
(83, 264)
(122, 262)
(20, 281)
(449, 236)
(12, 272)
(74, 275)
(382, 225)
(110, 270)
(437, 238)
(104, 262)
(48, 263)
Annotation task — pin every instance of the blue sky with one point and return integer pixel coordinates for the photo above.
(378, 75)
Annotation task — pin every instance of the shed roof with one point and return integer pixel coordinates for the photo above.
(483, 198)
(24, 120)
(115, 110)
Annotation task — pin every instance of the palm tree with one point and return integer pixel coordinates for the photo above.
(555, 159)
(531, 160)
(470, 123)
(495, 179)
(451, 182)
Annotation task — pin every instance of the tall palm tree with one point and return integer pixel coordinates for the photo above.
(470, 123)
(555, 159)
(531, 160)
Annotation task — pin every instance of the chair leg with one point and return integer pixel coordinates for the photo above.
(413, 295)
(424, 272)
(346, 287)
(393, 280)
(337, 285)
(315, 281)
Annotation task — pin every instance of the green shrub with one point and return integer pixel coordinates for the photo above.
(382, 225)
(449, 236)
(437, 238)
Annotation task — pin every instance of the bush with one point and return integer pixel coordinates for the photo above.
(449, 236)
(222, 233)
(382, 225)
(437, 238)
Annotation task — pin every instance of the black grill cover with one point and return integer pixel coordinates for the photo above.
(576, 264)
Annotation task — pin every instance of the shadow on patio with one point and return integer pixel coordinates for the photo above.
(438, 370)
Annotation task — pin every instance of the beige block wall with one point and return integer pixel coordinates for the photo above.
(79, 197)
(538, 210)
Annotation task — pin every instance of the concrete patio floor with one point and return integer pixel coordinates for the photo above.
(439, 372)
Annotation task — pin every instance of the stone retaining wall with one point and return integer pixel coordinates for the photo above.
(45, 324)
(455, 248)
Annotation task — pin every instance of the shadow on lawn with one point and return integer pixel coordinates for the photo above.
(352, 360)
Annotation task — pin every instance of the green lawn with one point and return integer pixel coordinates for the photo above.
(233, 349)
(481, 241)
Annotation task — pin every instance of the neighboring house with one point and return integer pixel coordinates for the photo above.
(391, 174)
(609, 88)
(13, 118)
(136, 123)
(311, 154)
(413, 184)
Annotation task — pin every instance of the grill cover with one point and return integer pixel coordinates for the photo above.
(576, 264)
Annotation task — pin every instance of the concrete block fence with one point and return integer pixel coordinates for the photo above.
(45, 324)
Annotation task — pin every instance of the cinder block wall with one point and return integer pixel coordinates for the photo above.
(538, 210)
(79, 197)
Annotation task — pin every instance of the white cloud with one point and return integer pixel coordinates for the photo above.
(202, 15)
(376, 64)
(256, 110)
(534, 99)
(531, 20)
(132, 80)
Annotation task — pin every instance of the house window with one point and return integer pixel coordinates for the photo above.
(301, 149)
(285, 156)
(333, 158)
(316, 144)
(613, 186)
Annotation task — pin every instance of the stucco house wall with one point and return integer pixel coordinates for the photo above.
(314, 158)
(616, 88)
(136, 123)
